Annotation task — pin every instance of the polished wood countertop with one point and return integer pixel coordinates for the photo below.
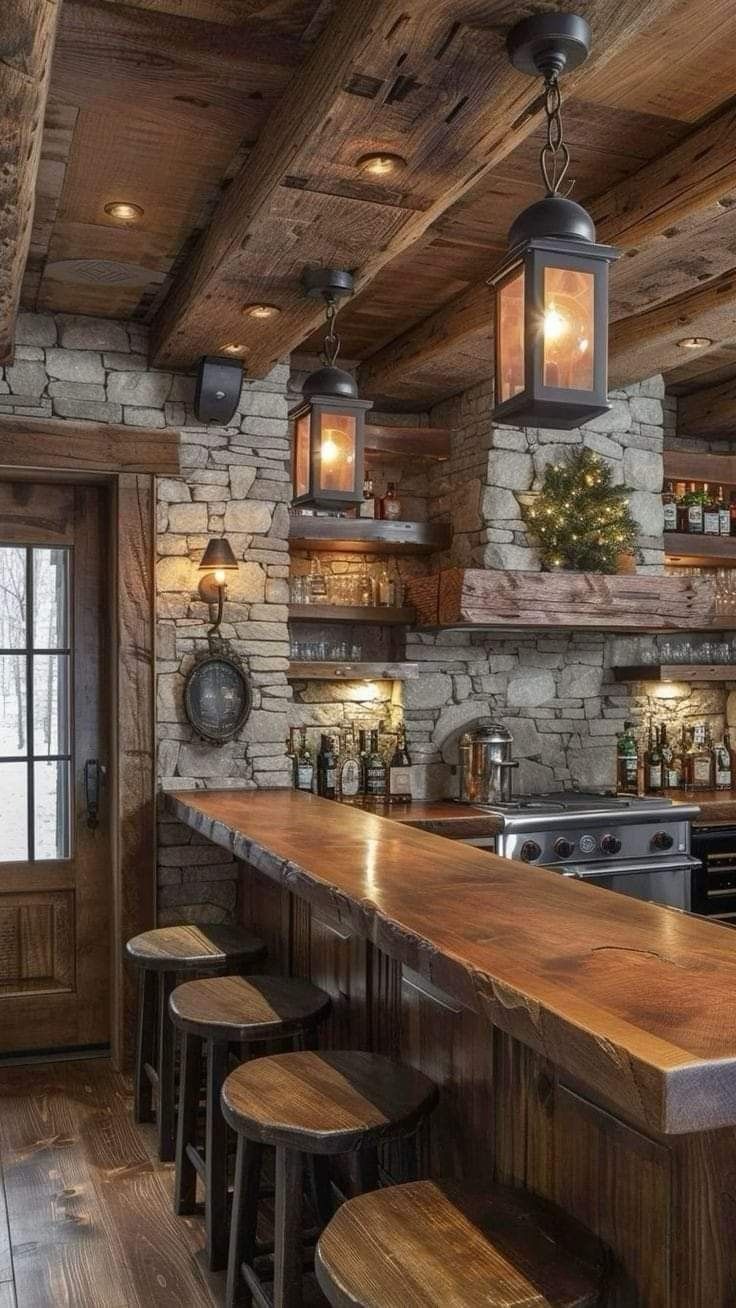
(442, 816)
(633, 1000)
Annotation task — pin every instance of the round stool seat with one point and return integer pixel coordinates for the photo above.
(325, 1102)
(242, 1008)
(195, 948)
(430, 1243)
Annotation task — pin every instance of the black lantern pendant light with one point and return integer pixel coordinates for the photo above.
(329, 425)
(551, 291)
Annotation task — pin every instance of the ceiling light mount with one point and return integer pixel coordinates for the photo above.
(260, 311)
(123, 211)
(327, 283)
(381, 163)
(547, 45)
(695, 342)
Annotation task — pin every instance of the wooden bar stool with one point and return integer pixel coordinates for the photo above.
(160, 955)
(437, 1243)
(318, 1104)
(213, 1014)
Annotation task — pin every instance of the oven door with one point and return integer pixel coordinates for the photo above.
(661, 881)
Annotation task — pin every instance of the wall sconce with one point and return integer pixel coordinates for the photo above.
(217, 560)
(329, 424)
(551, 291)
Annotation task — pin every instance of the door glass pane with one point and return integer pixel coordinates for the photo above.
(51, 816)
(12, 597)
(12, 706)
(510, 337)
(50, 591)
(568, 328)
(51, 704)
(337, 452)
(14, 811)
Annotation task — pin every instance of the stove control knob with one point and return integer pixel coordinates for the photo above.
(529, 851)
(662, 840)
(587, 844)
(610, 844)
(563, 848)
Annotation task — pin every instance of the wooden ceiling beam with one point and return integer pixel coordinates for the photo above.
(647, 343)
(493, 108)
(693, 174)
(710, 412)
(27, 35)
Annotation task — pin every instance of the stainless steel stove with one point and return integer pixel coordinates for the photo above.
(639, 847)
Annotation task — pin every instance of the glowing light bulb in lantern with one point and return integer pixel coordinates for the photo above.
(556, 324)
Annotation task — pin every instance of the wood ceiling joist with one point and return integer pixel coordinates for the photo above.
(647, 343)
(635, 212)
(27, 35)
(710, 412)
(492, 109)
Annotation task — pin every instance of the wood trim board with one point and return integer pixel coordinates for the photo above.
(42, 444)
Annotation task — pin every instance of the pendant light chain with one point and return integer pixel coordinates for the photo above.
(554, 157)
(332, 340)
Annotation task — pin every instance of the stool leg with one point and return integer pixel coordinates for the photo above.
(145, 1045)
(166, 1071)
(287, 1256)
(215, 1158)
(244, 1220)
(320, 1184)
(367, 1170)
(190, 1078)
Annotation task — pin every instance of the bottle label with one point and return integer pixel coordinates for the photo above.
(400, 781)
(673, 778)
(695, 517)
(670, 516)
(655, 776)
(376, 780)
(330, 774)
(724, 519)
(711, 522)
(391, 509)
(350, 778)
(304, 776)
(630, 766)
(701, 771)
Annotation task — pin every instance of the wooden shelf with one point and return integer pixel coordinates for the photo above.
(691, 465)
(677, 672)
(381, 615)
(692, 547)
(500, 600)
(346, 671)
(368, 535)
(392, 444)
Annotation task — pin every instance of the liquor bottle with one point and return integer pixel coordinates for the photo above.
(399, 771)
(348, 772)
(363, 759)
(669, 505)
(722, 764)
(694, 501)
(326, 769)
(699, 764)
(368, 505)
(711, 515)
(375, 770)
(391, 504)
(681, 498)
(732, 512)
(627, 761)
(303, 762)
(724, 516)
(654, 762)
(671, 761)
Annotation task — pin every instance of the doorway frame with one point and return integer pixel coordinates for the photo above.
(127, 461)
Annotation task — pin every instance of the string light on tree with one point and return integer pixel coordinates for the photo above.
(580, 520)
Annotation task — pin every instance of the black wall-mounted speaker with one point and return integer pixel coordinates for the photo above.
(217, 393)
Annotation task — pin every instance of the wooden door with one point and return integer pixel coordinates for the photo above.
(55, 850)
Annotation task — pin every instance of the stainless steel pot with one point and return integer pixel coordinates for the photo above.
(486, 764)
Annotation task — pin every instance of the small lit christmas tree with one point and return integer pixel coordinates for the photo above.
(579, 519)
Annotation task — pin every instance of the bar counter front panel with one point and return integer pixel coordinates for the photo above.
(584, 1043)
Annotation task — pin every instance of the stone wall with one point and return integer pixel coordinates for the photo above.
(234, 480)
(493, 467)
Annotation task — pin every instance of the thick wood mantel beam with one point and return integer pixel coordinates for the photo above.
(687, 178)
(27, 35)
(58, 444)
(446, 58)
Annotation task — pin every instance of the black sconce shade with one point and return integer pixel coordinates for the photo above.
(218, 554)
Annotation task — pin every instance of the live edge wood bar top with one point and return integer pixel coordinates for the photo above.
(633, 1000)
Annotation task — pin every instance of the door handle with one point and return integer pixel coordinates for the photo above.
(94, 775)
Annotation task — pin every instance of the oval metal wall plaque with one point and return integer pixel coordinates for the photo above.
(217, 697)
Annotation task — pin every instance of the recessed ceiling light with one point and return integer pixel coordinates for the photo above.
(694, 342)
(382, 164)
(233, 349)
(124, 211)
(261, 311)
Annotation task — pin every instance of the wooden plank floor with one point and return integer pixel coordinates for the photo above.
(87, 1220)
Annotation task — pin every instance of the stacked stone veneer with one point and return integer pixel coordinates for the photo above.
(234, 480)
(493, 468)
